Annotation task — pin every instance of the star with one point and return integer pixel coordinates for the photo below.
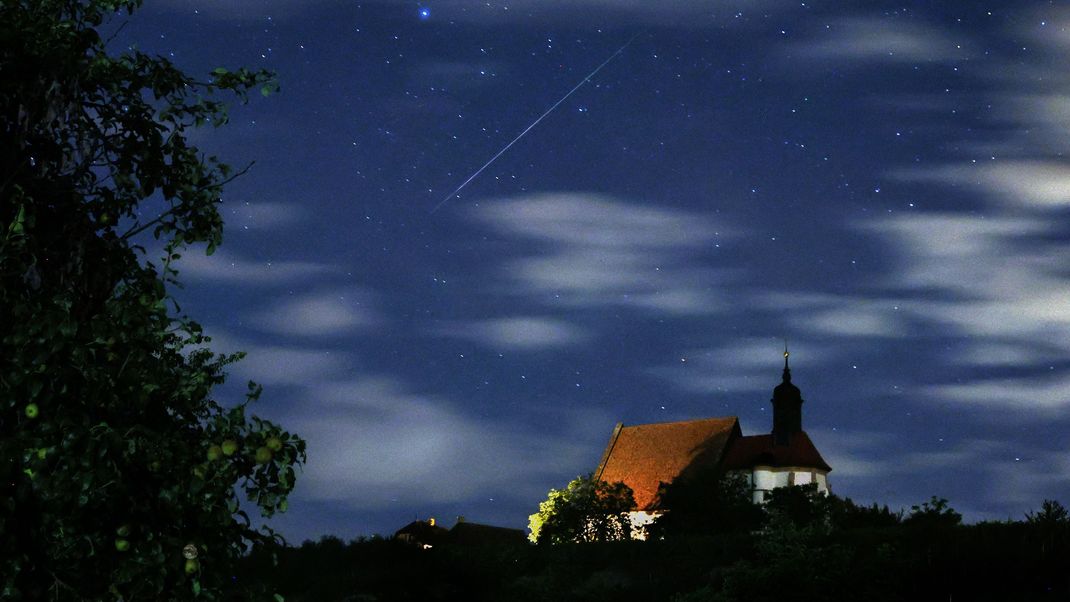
(425, 13)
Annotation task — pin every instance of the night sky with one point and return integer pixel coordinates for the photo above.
(883, 185)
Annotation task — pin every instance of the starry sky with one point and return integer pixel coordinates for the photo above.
(882, 184)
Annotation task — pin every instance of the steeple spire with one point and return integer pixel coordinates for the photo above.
(787, 406)
(787, 371)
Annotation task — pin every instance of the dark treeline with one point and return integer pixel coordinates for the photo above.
(807, 547)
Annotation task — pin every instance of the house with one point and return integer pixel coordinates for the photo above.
(645, 456)
(465, 533)
(422, 533)
(428, 534)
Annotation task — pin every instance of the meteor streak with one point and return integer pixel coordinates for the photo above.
(534, 123)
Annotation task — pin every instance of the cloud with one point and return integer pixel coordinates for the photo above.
(523, 332)
(595, 250)
(997, 280)
(1043, 184)
(261, 215)
(856, 318)
(879, 39)
(321, 313)
(374, 442)
(269, 365)
(855, 454)
(1011, 480)
(1014, 479)
(224, 266)
(1014, 152)
(1000, 275)
(745, 365)
(1049, 26)
(993, 354)
(1034, 394)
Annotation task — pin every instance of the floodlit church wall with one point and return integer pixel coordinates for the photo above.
(764, 480)
(640, 519)
(822, 482)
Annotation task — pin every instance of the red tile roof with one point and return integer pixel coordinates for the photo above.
(758, 450)
(645, 455)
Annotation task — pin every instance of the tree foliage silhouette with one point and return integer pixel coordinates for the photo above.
(585, 510)
(706, 504)
(1051, 514)
(118, 470)
(936, 512)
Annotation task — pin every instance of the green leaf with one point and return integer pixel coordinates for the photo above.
(20, 218)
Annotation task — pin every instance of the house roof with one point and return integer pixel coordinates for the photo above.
(645, 455)
(466, 533)
(421, 531)
(759, 450)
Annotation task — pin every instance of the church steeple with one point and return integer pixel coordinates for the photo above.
(787, 407)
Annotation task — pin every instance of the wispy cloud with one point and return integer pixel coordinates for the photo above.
(1043, 184)
(853, 454)
(291, 366)
(994, 354)
(595, 250)
(880, 39)
(373, 442)
(995, 280)
(320, 313)
(261, 215)
(1000, 275)
(521, 332)
(1029, 394)
(1010, 481)
(745, 365)
(224, 266)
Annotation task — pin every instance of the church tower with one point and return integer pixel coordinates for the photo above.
(787, 408)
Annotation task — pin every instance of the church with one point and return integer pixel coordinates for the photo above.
(644, 456)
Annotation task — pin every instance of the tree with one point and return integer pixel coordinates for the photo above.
(936, 512)
(118, 470)
(709, 503)
(1051, 526)
(843, 513)
(1051, 514)
(585, 510)
(799, 505)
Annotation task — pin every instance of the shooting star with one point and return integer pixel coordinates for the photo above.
(534, 123)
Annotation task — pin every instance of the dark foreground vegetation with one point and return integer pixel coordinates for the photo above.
(805, 553)
(121, 473)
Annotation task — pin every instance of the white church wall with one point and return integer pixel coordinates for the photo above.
(640, 519)
(764, 480)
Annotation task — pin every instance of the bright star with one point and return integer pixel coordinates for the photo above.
(425, 13)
